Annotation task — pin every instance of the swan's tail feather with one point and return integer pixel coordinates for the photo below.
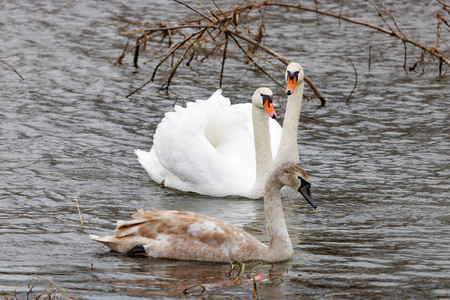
(104, 239)
(149, 161)
(125, 228)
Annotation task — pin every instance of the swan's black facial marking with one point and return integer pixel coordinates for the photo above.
(267, 103)
(305, 190)
(293, 75)
(292, 81)
(268, 98)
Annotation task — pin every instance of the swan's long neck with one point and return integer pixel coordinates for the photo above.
(263, 152)
(288, 149)
(280, 244)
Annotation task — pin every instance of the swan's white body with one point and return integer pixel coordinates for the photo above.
(192, 236)
(208, 148)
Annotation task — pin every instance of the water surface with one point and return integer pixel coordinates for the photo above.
(378, 166)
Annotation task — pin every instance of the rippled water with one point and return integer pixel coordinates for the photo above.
(379, 166)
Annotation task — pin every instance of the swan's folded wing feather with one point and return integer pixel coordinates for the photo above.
(183, 235)
(204, 145)
(179, 225)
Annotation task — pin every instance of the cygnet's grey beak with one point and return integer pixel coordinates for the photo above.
(305, 190)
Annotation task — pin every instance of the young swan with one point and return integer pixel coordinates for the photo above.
(192, 236)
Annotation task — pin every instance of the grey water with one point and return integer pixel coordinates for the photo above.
(379, 165)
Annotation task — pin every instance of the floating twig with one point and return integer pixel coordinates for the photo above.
(79, 212)
(11, 67)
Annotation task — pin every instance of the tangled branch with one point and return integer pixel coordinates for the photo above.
(214, 30)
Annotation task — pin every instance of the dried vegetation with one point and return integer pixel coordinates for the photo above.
(212, 31)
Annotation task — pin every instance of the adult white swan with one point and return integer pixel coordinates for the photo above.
(288, 149)
(210, 146)
(191, 236)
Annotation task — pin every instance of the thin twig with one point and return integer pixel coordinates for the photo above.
(30, 285)
(255, 63)
(172, 50)
(223, 60)
(255, 289)
(166, 85)
(64, 6)
(136, 53)
(79, 212)
(406, 55)
(11, 67)
(117, 16)
(191, 8)
(125, 52)
(283, 60)
(380, 15)
(356, 80)
(206, 10)
(175, 27)
(395, 23)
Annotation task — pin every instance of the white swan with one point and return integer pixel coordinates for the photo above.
(209, 146)
(288, 149)
(192, 236)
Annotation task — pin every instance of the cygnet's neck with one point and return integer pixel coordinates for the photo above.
(263, 152)
(288, 149)
(280, 244)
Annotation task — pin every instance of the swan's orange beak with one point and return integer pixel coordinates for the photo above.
(291, 83)
(268, 106)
